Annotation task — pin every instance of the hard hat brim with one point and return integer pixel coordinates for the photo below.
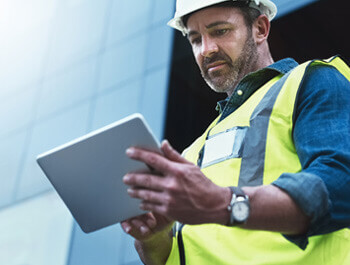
(264, 6)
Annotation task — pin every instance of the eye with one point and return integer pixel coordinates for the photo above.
(195, 40)
(220, 32)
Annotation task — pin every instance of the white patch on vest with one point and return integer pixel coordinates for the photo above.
(219, 147)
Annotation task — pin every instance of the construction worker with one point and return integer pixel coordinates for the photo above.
(268, 182)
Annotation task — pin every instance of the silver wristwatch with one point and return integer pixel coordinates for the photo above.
(239, 207)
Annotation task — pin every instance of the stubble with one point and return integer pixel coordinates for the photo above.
(225, 80)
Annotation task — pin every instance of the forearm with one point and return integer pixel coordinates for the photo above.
(272, 209)
(156, 250)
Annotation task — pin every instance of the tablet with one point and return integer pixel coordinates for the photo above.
(87, 172)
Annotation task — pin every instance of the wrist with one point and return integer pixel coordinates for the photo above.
(156, 249)
(222, 216)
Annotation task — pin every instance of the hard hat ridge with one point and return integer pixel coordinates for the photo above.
(186, 7)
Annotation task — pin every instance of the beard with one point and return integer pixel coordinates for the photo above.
(226, 79)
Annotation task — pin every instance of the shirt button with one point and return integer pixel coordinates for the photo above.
(239, 92)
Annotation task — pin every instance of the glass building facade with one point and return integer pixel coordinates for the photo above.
(68, 67)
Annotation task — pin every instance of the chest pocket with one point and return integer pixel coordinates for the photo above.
(223, 146)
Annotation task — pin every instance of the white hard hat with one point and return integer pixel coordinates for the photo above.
(185, 7)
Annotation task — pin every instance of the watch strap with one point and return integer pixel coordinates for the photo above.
(238, 191)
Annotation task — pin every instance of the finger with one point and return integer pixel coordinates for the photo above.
(136, 228)
(140, 228)
(171, 153)
(147, 181)
(155, 160)
(147, 195)
(155, 208)
(149, 220)
(126, 226)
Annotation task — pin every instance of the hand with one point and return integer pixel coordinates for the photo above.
(153, 237)
(146, 226)
(179, 190)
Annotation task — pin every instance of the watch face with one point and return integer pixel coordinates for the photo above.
(240, 211)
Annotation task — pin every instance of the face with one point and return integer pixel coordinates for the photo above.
(223, 46)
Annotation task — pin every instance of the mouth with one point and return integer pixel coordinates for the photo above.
(216, 66)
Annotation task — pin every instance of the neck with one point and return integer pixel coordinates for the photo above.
(265, 58)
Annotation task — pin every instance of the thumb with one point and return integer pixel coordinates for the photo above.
(170, 153)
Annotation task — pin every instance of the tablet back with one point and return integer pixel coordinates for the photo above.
(87, 172)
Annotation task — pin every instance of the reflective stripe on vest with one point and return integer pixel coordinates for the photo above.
(262, 150)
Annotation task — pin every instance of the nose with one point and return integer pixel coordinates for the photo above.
(209, 47)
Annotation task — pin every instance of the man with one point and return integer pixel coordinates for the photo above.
(268, 182)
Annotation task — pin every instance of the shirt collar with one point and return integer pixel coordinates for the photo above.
(281, 67)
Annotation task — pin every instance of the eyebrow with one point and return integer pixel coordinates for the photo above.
(214, 24)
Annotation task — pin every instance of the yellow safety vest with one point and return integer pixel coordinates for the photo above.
(263, 149)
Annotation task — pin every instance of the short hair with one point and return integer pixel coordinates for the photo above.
(250, 14)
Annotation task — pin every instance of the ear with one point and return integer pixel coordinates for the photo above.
(261, 29)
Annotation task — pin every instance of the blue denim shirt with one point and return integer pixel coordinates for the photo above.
(321, 136)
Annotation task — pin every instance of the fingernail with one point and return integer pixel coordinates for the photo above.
(126, 178)
(166, 142)
(128, 229)
(143, 229)
(130, 151)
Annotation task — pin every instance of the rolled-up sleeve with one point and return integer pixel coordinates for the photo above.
(321, 136)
